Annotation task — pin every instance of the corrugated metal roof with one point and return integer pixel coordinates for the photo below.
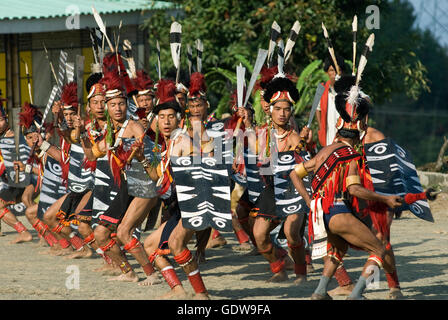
(41, 9)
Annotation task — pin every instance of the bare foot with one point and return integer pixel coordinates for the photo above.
(111, 271)
(177, 293)
(85, 252)
(301, 278)
(24, 236)
(395, 294)
(52, 250)
(217, 242)
(342, 291)
(63, 252)
(42, 243)
(245, 246)
(125, 277)
(279, 277)
(152, 279)
(201, 296)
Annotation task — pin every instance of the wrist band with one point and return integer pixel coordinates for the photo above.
(45, 146)
(28, 168)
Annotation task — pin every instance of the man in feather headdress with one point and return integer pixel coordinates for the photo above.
(125, 212)
(29, 120)
(79, 181)
(341, 180)
(144, 96)
(281, 94)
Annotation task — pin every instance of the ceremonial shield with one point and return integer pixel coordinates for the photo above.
(19, 208)
(139, 183)
(105, 189)
(393, 172)
(287, 199)
(254, 184)
(52, 187)
(9, 153)
(223, 151)
(203, 193)
(79, 178)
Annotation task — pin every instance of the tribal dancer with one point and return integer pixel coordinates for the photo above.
(341, 180)
(370, 135)
(125, 212)
(14, 193)
(168, 116)
(79, 181)
(144, 98)
(281, 94)
(182, 145)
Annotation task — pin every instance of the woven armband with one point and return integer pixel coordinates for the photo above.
(350, 180)
(300, 170)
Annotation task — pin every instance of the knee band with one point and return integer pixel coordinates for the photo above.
(376, 259)
(133, 244)
(109, 245)
(183, 258)
(5, 211)
(89, 239)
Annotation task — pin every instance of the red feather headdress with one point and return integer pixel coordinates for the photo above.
(28, 116)
(166, 91)
(113, 85)
(69, 96)
(143, 83)
(197, 88)
(114, 63)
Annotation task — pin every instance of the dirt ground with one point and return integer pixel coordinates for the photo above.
(421, 250)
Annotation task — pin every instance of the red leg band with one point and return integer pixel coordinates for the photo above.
(183, 258)
(148, 269)
(392, 280)
(109, 245)
(5, 211)
(216, 234)
(242, 236)
(277, 266)
(388, 246)
(89, 239)
(196, 281)
(133, 244)
(58, 228)
(342, 277)
(170, 276)
(44, 231)
(76, 242)
(20, 227)
(64, 243)
(376, 259)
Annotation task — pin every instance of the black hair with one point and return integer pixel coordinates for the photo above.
(329, 62)
(92, 79)
(281, 84)
(342, 87)
(167, 105)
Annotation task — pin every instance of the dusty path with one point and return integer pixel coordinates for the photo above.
(421, 250)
